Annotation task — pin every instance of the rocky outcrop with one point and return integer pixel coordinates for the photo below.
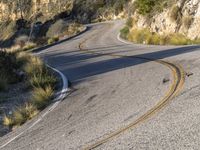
(27, 9)
(183, 17)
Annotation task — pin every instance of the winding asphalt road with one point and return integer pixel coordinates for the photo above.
(118, 99)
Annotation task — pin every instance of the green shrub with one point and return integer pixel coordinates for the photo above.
(52, 40)
(124, 32)
(41, 97)
(129, 22)
(144, 36)
(145, 6)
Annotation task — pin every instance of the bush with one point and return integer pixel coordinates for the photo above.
(174, 14)
(23, 58)
(24, 113)
(41, 97)
(129, 22)
(53, 40)
(34, 66)
(29, 45)
(57, 28)
(124, 32)
(145, 6)
(144, 36)
(8, 121)
(73, 28)
(8, 66)
(41, 80)
(21, 40)
(21, 115)
(179, 39)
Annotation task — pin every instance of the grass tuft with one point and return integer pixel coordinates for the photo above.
(41, 97)
(144, 36)
(7, 121)
(34, 66)
(29, 46)
(41, 80)
(53, 40)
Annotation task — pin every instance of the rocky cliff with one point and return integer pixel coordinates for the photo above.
(28, 9)
(181, 16)
(83, 10)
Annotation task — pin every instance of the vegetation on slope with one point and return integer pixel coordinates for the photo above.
(147, 7)
(30, 69)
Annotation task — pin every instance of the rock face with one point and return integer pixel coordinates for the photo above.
(183, 17)
(13, 10)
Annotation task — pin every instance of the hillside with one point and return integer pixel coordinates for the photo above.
(18, 17)
(83, 10)
(167, 17)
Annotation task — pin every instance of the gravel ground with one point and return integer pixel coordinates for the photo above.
(14, 96)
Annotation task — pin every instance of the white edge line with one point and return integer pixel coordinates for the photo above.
(122, 40)
(58, 99)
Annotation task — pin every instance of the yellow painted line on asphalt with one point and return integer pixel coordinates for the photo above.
(176, 86)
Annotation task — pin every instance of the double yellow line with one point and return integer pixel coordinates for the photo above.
(177, 84)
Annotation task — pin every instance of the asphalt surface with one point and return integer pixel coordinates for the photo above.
(110, 92)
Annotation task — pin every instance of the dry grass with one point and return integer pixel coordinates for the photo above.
(24, 113)
(29, 46)
(34, 66)
(144, 36)
(41, 97)
(53, 40)
(187, 21)
(7, 121)
(41, 80)
(21, 40)
(21, 115)
(43, 83)
(14, 49)
(174, 13)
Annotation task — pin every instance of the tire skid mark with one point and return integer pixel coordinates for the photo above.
(178, 82)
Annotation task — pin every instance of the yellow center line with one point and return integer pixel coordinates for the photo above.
(176, 86)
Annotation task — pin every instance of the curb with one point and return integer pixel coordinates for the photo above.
(122, 40)
(57, 100)
(62, 94)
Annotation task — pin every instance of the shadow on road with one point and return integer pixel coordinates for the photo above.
(79, 65)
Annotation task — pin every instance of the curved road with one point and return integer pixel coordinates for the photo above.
(111, 92)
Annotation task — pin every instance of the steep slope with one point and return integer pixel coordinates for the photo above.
(165, 17)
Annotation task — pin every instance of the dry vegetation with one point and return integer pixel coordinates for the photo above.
(144, 36)
(39, 78)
